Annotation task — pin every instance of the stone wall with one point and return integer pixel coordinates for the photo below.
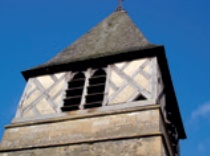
(150, 146)
(84, 130)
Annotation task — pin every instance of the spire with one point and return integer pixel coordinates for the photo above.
(120, 6)
(115, 34)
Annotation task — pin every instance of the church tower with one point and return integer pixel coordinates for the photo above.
(109, 93)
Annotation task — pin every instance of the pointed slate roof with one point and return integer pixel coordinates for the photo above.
(115, 34)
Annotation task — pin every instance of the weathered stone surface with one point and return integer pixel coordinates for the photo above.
(150, 146)
(83, 130)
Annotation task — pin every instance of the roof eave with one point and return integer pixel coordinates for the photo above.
(45, 68)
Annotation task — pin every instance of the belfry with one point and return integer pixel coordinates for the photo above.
(109, 93)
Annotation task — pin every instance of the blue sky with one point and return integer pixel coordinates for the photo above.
(31, 32)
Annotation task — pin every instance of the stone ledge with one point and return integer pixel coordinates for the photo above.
(85, 115)
(82, 142)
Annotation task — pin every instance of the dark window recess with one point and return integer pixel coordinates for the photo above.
(74, 93)
(139, 98)
(95, 90)
(172, 131)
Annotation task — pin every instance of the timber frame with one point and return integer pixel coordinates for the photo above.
(103, 62)
(113, 94)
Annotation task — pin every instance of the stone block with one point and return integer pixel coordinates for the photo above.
(149, 146)
(83, 130)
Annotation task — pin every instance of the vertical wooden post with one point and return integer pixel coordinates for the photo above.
(106, 91)
(84, 93)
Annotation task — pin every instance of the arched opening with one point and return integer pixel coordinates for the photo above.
(74, 93)
(95, 90)
(79, 76)
(99, 72)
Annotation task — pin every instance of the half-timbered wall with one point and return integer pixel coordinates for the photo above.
(129, 80)
(42, 95)
(126, 83)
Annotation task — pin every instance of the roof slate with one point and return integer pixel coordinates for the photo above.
(115, 34)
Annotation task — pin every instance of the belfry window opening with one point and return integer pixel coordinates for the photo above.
(94, 94)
